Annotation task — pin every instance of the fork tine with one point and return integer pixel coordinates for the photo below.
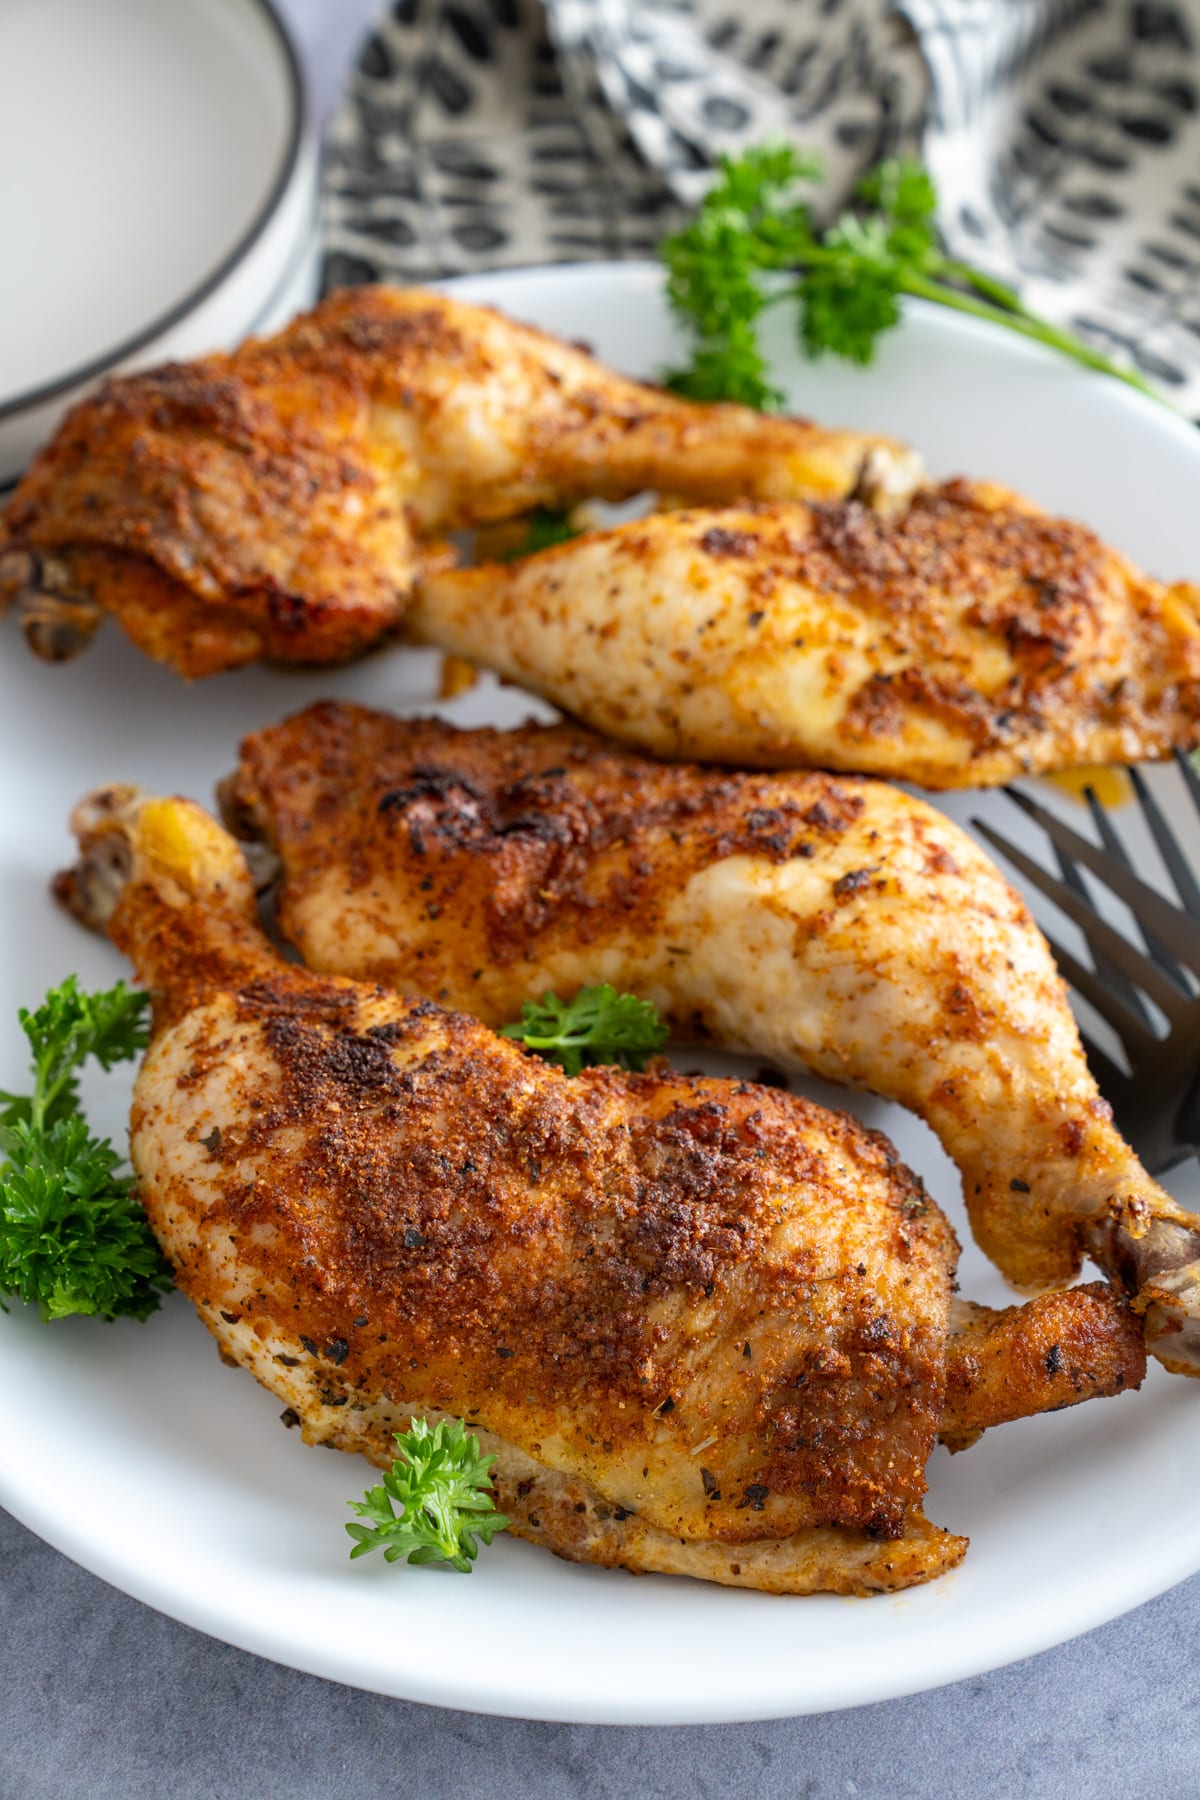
(1178, 932)
(1129, 1026)
(1104, 826)
(1123, 990)
(1103, 938)
(1137, 1117)
(1112, 843)
(1113, 1082)
(1178, 866)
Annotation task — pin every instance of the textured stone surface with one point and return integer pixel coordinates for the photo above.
(102, 1699)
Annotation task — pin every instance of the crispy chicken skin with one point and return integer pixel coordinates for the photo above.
(830, 922)
(967, 640)
(702, 1324)
(276, 502)
(1004, 1365)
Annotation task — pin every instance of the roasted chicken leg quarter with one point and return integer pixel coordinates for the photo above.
(824, 921)
(702, 1324)
(962, 642)
(277, 502)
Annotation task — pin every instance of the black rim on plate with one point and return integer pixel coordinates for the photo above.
(130, 346)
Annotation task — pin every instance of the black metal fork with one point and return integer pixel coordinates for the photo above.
(1149, 996)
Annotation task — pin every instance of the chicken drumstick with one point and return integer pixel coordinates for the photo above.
(966, 641)
(825, 921)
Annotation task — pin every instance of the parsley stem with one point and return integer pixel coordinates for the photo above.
(1002, 306)
(1027, 325)
(45, 1091)
(987, 285)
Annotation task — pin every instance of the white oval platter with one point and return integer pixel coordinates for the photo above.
(137, 1453)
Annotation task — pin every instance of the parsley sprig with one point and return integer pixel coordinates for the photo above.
(443, 1488)
(598, 1026)
(73, 1238)
(753, 245)
(545, 527)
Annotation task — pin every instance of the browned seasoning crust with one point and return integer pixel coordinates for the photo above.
(464, 1216)
(1100, 661)
(506, 841)
(276, 502)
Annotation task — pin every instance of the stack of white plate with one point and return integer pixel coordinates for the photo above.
(160, 188)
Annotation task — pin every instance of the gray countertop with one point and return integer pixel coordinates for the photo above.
(105, 1700)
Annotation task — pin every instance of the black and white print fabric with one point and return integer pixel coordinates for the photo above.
(1064, 136)
(462, 147)
(692, 79)
(1070, 161)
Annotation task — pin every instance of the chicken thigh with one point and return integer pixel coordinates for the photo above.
(830, 922)
(276, 502)
(967, 640)
(702, 1324)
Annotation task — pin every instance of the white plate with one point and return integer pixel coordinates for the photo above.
(161, 192)
(135, 1451)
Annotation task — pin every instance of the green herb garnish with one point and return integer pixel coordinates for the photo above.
(73, 1238)
(443, 1487)
(545, 527)
(753, 245)
(597, 1026)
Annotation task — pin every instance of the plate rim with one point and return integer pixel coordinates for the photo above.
(84, 373)
(502, 1698)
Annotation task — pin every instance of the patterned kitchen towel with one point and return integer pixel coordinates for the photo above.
(1064, 136)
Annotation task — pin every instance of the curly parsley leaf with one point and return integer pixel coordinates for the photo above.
(598, 1026)
(753, 245)
(845, 308)
(73, 1238)
(442, 1485)
(729, 368)
(749, 224)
